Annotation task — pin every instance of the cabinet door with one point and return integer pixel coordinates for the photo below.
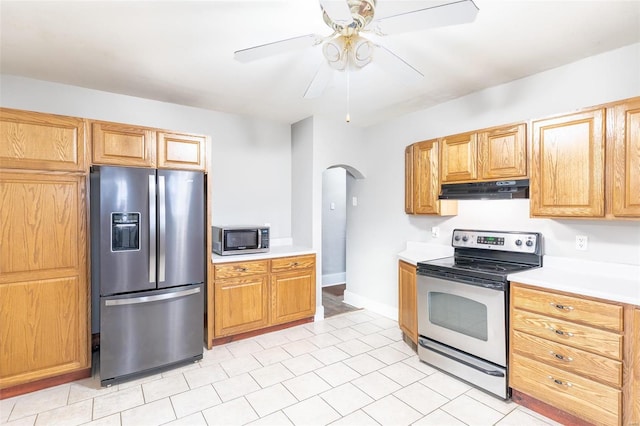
(567, 173)
(407, 300)
(636, 369)
(458, 158)
(503, 152)
(625, 167)
(293, 295)
(181, 151)
(43, 277)
(120, 144)
(426, 187)
(408, 180)
(31, 140)
(241, 304)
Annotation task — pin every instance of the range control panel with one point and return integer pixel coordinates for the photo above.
(522, 242)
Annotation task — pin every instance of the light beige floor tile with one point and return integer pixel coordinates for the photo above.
(359, 418)
(505, 407)
(337, 374)
(394, 334)
(538, 415)
(520, 418)
(271, 399)
(235, 387)
(302, 364)
(203, 376)
(421, 398)
(306, 385)
(180, 370)
(88, 388)
(402, 373)
(241, 365)
(445, 385)
(278, 418)
(39, 401)
(299, 347)
(385, 323)
(297, 333)
(470, 411)
(439, 418)
(391, 411)
(196, 419)
(388, 355)
(24, 421)
(271, 374)
(323, 340)
(195, 400)
(345, 334)
(312, 411)
(346, 398)
(271, 356)
(366, 328)
(376, 385)
(117, 401)
(319, 327)
(6, 405)
(235, 412)
(329, 355)
(216, 355)
(164, 387)
(243, 348)
(402, 347)
(153, 413)
(271, 340)
(376, 340)
(354, 347)
(364, 364)
(112, 420)
(69, 415)
(340, 321)
(424, 368)
(361, 316)
(137, 382)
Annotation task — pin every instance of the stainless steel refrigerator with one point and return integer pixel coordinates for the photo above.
(148, 268)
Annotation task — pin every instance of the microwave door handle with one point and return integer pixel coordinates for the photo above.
(162, 229)
(259, 239)
(152, 228)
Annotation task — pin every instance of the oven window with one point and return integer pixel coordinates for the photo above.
(458, 314)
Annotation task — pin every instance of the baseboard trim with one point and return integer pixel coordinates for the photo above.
(333, 279)
(358, 301)
(44, 383)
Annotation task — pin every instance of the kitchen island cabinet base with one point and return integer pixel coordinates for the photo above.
(49, 382)
(240, 336)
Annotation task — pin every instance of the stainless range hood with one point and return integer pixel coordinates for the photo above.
(497, 190)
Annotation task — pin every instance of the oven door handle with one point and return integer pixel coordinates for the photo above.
(495, 373)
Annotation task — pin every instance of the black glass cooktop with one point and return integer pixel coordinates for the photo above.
(469, 265)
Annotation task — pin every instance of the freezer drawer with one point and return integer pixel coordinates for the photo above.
(149, 330)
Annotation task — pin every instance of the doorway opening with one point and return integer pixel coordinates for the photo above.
(336, 183)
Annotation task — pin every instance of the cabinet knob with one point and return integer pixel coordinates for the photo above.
(294, 264)
(561, 357)
(560, 332)
(561, 307)
(560, 382)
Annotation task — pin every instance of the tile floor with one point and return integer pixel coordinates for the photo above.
(351, 369)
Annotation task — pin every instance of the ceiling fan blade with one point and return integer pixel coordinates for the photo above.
(454, 13)
(396, 66)
(338, 11)
(319, 82)
(276, 47)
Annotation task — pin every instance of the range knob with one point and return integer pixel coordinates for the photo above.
(529, 243)
(465, 238)
(457, 238)
(518, 243)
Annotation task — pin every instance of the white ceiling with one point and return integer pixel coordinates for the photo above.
(182, 52)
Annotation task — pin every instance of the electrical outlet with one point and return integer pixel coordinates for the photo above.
(435, 232)
(582, 242)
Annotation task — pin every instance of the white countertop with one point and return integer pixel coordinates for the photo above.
(277, 251)
(610, 281)
(417, 252)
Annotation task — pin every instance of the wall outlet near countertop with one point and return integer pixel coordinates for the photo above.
(582, 242)
(435, 232)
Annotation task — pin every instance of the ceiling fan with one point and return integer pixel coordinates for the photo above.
(346, 49)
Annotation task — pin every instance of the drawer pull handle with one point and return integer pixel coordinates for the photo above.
(241, 269)
(295, 264)
(560, 332)
(561, 307)
(561, 357)
(560, 382)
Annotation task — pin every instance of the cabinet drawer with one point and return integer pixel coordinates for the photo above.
(582, 397)
(578, 336)
(590, 312)
(292, 263)
(240, 269)
(567, 358)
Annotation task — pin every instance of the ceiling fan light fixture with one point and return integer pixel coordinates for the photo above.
(335, 51)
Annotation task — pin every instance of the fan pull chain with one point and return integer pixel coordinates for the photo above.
(348, 97)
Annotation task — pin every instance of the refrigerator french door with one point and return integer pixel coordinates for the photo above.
(148, 268)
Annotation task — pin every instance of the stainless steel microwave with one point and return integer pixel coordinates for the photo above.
(240, 239)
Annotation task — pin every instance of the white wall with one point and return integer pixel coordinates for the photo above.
(379, 228)
(250, 159)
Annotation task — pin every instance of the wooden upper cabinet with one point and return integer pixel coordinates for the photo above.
(624, 163)
(503, 152)
(408, 180)
(123, 145)
(181, 151)
(567, 170)
(421, 180)
(37, 141)
(459, 158)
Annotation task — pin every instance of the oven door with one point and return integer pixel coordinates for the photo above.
(466, 317)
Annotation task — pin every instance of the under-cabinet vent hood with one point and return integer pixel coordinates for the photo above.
(497, 190)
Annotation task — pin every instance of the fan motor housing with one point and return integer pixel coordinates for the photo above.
(362, 12)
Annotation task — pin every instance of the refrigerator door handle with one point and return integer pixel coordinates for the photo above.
(162, 229)
(147, 299)
(152, 228)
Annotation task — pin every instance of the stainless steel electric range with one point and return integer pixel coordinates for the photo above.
(463, 305)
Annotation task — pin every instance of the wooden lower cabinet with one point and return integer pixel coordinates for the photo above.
(44, 296)
(407, 300)
(254, 295)
(634, 398)
(573, 354)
